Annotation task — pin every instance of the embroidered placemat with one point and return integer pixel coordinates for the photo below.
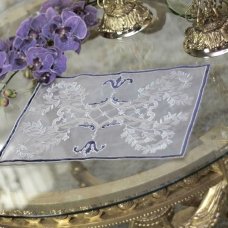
(128, 115)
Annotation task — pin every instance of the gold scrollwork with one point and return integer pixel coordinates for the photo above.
(209, 210)
(123, 18)
(153, 210)
(209, 34)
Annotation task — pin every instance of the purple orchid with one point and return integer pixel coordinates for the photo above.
(67, 31)
(5, 67)
(29, 33)
(46, 63)
(3, 45)
(41, 41)
(7, 45)
(58, 5)
(87, 12)
(9, 59)
(17, 60)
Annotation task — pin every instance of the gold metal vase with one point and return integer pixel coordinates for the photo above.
(123, 18)
(208, 36)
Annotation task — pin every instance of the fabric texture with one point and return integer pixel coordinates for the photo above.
(127, 115)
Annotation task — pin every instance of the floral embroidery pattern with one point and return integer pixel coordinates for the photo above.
(90, 147)
(118, 82)
(138, 121)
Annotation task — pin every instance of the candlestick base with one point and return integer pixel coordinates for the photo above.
(208, 37)
(124, 19)
(202, 43)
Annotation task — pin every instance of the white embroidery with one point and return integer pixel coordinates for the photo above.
(143, 122)
(23, 153)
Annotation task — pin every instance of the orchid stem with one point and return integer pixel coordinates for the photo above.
(7, 82)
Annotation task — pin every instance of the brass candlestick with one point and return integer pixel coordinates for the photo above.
(192, 10)
(123, 18)
(208, 36)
